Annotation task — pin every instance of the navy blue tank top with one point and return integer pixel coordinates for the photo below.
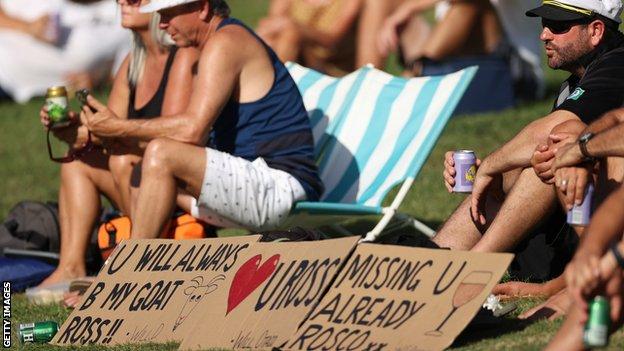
(275, 127)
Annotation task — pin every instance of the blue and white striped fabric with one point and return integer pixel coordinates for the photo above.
(373, 130)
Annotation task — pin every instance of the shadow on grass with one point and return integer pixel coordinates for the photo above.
(485, 326)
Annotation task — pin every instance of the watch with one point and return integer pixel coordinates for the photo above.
(582, 141)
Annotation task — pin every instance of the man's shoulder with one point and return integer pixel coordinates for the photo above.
(613, 58)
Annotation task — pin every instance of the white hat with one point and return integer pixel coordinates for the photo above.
(156, 5)
(568, 10)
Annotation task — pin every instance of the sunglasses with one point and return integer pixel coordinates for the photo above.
(562, 27)
(130, 2)
(72, 155)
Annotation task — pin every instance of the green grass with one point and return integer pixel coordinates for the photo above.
(28, 174)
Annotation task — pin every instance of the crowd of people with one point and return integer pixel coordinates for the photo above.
(204, 116)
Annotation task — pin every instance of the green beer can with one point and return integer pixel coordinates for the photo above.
(57, 105)
(596, 332)
(38, 332)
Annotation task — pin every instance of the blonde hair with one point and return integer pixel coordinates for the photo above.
(138, 52)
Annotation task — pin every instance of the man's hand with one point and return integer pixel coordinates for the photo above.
(542, 161)
(388, 38)
(482, 184)
(568, 155)
(583, 276)
(97, 117)
(572, 181)
(449, 170)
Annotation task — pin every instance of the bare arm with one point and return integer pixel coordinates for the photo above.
(180, 83)
(10, 22)
(608, 120)
(220, 71)
(279, 7)
(607, 142)
(517, 152)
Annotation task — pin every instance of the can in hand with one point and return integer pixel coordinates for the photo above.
(465, 170)
(38, 332)
(57, 105)
(581, 214)
(596, 333)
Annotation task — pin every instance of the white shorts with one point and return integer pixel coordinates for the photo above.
(237, 193)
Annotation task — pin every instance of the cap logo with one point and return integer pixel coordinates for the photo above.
(569, 7)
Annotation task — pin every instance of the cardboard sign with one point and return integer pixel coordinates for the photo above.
(269, 296)
(399, 298)
(148, 289)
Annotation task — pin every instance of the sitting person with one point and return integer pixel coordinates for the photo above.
(76, 43)
(243, 146)
(152, 80)
(488, 33)
(510, 207)
(571, 170)
(597, 269)
(62, 32)
(332, 36)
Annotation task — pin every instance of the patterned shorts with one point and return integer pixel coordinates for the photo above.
(237, 193)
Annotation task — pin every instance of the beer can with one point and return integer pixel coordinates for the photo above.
(38, 332)
(57, 105)
(465, 170)
(596, 333)
(581, 214)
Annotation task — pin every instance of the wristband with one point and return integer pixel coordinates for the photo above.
(618, 255)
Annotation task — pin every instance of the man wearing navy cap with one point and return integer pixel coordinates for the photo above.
(581, 37)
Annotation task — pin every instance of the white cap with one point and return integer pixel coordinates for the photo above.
(557, 9)
(156, 5)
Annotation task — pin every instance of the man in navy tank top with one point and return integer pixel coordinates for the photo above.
(243, 148)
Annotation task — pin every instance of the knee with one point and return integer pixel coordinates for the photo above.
(73, 169)
(121, 165)
(158, 155)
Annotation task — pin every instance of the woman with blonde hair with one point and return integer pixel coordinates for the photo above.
(154, 80)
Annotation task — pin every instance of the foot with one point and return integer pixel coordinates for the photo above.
(519, 289)
(62, 274)
(72, 299)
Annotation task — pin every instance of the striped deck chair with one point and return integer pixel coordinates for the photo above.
(372, 131)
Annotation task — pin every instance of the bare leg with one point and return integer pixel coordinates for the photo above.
(460, 232)
(79, 207)
(515, 218)
(121, 167)
(167, 164)
(372, 17)
(287, 44)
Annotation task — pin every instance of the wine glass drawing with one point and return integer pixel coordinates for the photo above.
(469, 288)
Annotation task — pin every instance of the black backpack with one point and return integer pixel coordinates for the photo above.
(31, 225)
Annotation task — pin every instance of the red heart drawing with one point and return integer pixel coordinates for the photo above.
(249, 277)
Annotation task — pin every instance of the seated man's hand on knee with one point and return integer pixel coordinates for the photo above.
(572, 183)
(542, 161)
